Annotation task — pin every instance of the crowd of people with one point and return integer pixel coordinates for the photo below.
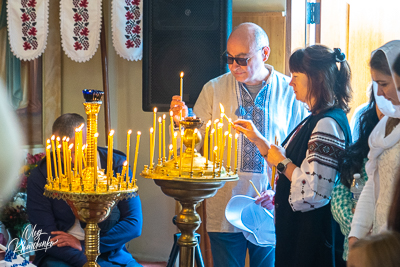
(316, 222)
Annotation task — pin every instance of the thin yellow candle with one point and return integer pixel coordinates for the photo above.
(170, 151)
(69, 162)
(163, 130)
(220, 138)
(193, 139)
(110, 153)
(151, 147)
(96, 135)
(124, 169)
(59, 159)
(215, 157)
(159, 137)
(136, 155)
(236, 148)
(181, 87)
(154, 127)
(128, 145)
(181, 152)
(84, 155)
(174, 143)
(228, 160)
(206, 141)
(76, 150)
(48, 162)
(171, 116)
(54, 155)
(222, 149)
(212, 144)
(64, 148)
(229, 125)
(222, 110)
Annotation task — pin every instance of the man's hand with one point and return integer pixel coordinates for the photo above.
(176, 106)
(66, 240)
(266, 200)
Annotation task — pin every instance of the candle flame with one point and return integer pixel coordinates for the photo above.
(64, 138)
(230, 120)
(217, 120)
(226, 133)
(215, 148)
(111, 133)
(163, 116)
(208, 123)
(159, 119)
(67, 139)
(71, 146)
(125, 163)
(230, 135)
(48, 147)
(82, 125)
(53, 137)
(182, 74)
(170, 147)
(236, 135)
(220, 125)
(48, 141)
(151, 130)
(212, 130)
(221, 108)
(171, 113)
(182, 132)
(195, 130)
(58, 139)
(59, 146)
(175, 134)
(139, 133)
(97, 134)
(130, 132)
(155, 110)
(77, 129)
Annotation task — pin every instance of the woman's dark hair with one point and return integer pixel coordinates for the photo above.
(394, 212)
(327, 84)
(379, 62)
(352, 160)
(396, 66)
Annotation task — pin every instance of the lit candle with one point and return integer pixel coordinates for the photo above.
(193, 139)
(59, 159)
(159, 137)
(110, 153)
(69, 162)
(76, 150)
(206, 141)
(64, 149)
(96, 135)
(84, 155)
(128, 146)
(229, 125)
(171, 116)
(220, 139)
(48, 162)
(151, 147)
(228, 160)
(175, 146)
(181, 152)
(163, 141)
(215, 157)
(212, 144)
(136, 155)
(170, 151)
(222, 149)
(236, 148)
(181, 87)
(54, 155)
(154, 128)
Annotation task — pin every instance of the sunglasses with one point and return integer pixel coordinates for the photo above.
(239, 60)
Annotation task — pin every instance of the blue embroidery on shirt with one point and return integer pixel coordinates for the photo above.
(251, 160)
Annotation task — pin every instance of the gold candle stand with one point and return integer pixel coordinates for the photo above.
(90, 199)
(189, 188)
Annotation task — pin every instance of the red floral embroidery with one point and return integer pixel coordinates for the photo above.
(132, 28)
(81, 18)
(28, 19)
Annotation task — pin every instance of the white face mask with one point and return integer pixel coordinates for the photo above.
(384, 105)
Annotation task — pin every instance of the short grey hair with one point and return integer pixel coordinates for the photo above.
(260, 37)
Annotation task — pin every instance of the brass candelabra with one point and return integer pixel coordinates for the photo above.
(189, 178)
(89, 192)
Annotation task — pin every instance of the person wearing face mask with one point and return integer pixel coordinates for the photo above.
(383, 164)
(307, 161)
(255, 91)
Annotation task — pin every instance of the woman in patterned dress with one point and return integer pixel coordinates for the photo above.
(383, 164)
(308, 160)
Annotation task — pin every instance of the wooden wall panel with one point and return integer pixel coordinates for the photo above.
(274, 25)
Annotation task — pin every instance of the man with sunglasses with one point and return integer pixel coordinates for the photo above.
(252, 90)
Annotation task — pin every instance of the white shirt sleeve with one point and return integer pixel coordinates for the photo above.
(313, 182)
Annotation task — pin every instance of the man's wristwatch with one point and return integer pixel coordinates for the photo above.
(281, 167)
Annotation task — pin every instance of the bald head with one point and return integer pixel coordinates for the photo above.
(252, 34)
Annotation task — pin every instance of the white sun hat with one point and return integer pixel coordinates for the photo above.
(256, 223)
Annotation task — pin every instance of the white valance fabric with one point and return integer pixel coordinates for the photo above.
(126, 23)
(27, 22)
